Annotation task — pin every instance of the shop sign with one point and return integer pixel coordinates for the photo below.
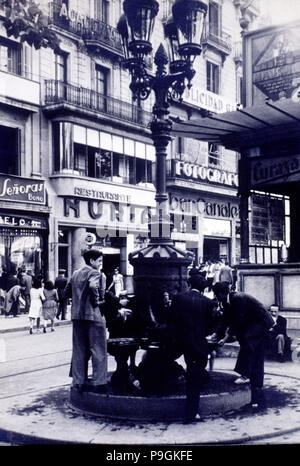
(272, 63)
(204, 207)
(22, 222)
(13, 188)
(275, 169)
(199, 172)
(101, 195)
(208, 100)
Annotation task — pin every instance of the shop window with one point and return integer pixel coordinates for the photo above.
(17, 248)
(63, 248)
(212, 77)
(9, 150)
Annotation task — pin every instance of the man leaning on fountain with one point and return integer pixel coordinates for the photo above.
(190, 322)
(89, 325)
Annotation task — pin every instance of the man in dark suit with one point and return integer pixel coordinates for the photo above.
(190, 322)
(60, 284)
(247, 320)
(278, 340)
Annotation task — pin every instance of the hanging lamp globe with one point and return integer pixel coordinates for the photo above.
(140, 16)
(189, 16)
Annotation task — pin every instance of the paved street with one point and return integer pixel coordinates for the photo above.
(34, 391)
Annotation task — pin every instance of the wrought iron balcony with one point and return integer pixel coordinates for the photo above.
(217, 39)
(96, 34)
(59, 95)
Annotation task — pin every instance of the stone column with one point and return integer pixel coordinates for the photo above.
(78, 246)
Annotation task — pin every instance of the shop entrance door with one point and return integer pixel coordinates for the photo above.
(215, 249)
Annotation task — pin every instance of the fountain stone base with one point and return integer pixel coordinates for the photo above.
(218, 396)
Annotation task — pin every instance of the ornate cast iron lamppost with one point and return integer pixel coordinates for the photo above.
(160, 266)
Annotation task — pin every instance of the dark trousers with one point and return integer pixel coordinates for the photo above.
(195, 376)
(27, 303)
(62, 308)
(89, 340)
(250, 364)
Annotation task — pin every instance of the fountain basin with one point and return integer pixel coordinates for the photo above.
(219, 395)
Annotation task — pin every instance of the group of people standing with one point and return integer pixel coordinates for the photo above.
(40, 300)
(193, 320)
(217, 271)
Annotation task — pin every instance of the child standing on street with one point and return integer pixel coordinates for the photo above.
(36, 301)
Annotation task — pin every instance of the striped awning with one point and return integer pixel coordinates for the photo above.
(247, 127)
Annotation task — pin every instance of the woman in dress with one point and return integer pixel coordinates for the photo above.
(117, 282)
(36, 301)
(50, 305)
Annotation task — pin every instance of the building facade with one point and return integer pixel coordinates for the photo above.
(77, 160)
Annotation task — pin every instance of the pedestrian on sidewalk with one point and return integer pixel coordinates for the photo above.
(60, 284)
(12, 278)
(26, 280)
(117, 283)
(36, 304)
(89, 325)
(12, 300)
(50, 305)
(250, 323)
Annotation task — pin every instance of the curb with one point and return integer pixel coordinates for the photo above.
(17, 438)
(25, 327)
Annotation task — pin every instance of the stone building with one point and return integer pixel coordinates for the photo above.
(77, 161)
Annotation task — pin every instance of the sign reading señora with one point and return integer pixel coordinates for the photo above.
(14, 188)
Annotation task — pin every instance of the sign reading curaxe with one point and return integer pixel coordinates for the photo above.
(274, 169)
(14, 188)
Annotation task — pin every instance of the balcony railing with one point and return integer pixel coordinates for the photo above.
(58, 92)
(217, 38)
(89, 29)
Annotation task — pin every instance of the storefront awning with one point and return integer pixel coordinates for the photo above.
(248, 127)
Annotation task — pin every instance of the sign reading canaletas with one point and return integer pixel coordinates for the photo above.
(13, 188)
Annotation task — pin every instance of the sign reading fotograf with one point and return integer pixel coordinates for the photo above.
(13, 188)
(199, 172)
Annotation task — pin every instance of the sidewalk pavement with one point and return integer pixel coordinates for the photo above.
(14, 324)
(43, 415)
